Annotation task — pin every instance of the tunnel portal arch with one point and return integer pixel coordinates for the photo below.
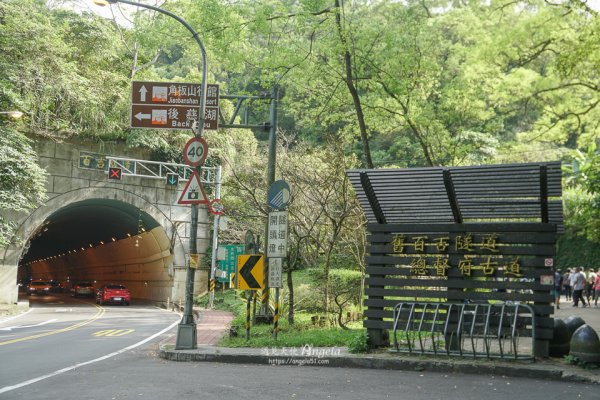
(140, 251)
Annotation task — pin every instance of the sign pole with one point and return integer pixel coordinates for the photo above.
(213, 266)
(264, 310)
(186, 330)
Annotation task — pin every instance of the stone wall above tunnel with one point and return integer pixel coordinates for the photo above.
(68, 183)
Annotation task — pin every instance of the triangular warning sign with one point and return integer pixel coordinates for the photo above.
(193, 193)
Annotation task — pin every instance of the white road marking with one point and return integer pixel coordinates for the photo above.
(10, 328)
(72, 367)
(16, 316)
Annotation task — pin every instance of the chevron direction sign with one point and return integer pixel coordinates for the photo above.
(250, 272)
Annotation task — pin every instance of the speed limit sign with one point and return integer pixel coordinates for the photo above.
(195, 151)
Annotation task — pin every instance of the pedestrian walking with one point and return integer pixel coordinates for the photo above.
(591, 281)
(567, 283)
(597, 288)
(558, 285)
(578, 282)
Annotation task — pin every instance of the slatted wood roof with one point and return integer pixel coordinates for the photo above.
(489, 193)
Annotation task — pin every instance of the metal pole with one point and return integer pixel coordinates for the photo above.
(186, 330)
(270, 179)
(276, 315)
(248, 316)
(215, 243)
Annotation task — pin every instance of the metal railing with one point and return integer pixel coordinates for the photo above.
(476, 330)
(157, 169)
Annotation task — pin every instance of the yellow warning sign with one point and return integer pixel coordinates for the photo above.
(250, 272)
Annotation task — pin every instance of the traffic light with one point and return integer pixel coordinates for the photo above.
(172, 179)
(114, 173)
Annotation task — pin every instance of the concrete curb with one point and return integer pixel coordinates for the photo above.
(521, 369)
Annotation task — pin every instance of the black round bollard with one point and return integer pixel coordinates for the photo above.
(585, 345)
(560, 343)
(573, 322)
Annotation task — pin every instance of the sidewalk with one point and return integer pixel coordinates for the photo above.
(213, 324)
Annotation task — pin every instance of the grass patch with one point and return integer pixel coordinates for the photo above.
(262, 336)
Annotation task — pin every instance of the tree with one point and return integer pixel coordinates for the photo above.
(22, 181)
(66, 70)
(582, 196)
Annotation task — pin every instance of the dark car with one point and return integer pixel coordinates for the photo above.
(113, 293)
(39, 288)
(83, 289)
(56, 286)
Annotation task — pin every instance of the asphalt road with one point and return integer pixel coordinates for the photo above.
(59, 333)
(69, 354)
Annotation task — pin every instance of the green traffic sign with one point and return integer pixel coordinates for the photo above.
(229, 265)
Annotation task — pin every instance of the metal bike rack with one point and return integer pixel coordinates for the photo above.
(475, 330)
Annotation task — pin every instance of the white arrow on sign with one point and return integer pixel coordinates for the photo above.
(141, 116)
(143, 92)
(10, 328)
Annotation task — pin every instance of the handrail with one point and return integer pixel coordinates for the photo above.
(158, 169)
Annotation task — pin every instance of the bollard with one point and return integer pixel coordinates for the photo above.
(560, 344)
(585, 345)
(573, 322)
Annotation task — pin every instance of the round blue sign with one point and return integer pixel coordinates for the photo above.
(279, 195)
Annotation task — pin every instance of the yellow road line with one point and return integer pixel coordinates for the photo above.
(99, 314)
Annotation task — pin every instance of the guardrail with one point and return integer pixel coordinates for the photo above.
(476, 330)
(157, 169)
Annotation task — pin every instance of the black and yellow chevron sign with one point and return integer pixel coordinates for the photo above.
(250, 272)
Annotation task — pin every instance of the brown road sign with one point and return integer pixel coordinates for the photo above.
(171, 105)
(167, 93)
(163, 117)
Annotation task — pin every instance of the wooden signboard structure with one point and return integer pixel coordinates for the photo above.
(461, 234)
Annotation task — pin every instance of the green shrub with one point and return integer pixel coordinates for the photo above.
(359, 343)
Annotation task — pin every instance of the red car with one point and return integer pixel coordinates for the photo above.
(113, 294)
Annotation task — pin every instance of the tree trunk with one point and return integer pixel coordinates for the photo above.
(353, 92)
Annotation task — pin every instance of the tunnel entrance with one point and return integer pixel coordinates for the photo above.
(101, 241)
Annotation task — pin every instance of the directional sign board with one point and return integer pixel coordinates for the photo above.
(250, 272)
(163, 117)
(229, 263)
(193, 193)
(172, 105)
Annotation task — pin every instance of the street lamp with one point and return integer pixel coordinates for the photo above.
(12, 114)
(186, 330)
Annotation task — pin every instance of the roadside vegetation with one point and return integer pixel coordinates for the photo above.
(362, 84)
(311, 326)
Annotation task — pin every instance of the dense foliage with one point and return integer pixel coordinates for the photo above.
(363, 83)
